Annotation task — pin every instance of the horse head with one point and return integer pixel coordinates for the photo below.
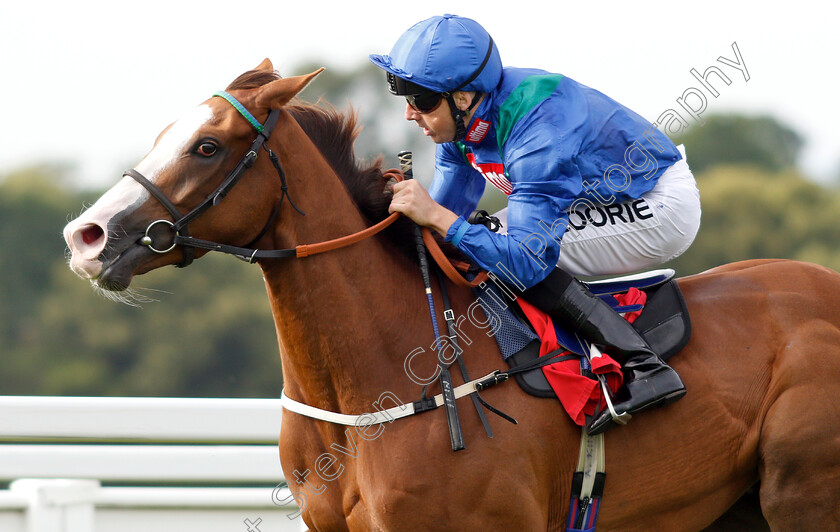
(137, 225)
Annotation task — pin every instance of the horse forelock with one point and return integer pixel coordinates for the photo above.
(253, 79)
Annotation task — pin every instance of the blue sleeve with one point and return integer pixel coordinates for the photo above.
(457, 185)
(545, 181)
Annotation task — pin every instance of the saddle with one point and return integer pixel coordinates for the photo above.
(664, 323)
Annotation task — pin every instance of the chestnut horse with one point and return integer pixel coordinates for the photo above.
(762, 368)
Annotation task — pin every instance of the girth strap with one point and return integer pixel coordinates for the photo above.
(587, 484)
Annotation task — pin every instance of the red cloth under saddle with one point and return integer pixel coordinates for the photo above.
(579, 395)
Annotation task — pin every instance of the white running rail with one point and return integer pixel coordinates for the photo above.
(129, 464)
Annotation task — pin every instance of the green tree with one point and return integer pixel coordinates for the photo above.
(210, 335)
(33, 208)
(760, 141)
(751, 213)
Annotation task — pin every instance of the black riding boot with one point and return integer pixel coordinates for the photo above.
(648, 380)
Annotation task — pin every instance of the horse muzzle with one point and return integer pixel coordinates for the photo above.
(104, 254)
(86, 242)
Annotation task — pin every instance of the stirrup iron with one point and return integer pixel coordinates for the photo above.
(623, 418)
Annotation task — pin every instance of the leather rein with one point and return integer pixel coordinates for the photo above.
(180, 227)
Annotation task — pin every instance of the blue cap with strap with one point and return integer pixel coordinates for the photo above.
(445, 54)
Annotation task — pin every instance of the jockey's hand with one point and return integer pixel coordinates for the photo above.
(414, 201)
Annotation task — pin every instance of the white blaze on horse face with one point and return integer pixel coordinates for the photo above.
(174, 142)
(87, 235)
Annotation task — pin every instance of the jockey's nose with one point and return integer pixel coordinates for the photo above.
(410, 112)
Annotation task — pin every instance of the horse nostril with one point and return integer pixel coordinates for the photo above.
(91, 234)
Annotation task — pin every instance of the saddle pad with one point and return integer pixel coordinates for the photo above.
(512, 331)
(664, 323)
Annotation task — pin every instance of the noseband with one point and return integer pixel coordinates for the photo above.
(180, 226)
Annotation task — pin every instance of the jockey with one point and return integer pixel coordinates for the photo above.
(593, 188)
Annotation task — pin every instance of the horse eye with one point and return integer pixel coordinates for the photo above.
(207, 149)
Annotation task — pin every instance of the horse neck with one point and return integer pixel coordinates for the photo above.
(342, 316)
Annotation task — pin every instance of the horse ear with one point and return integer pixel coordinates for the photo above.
(278, 93)
(265, 65)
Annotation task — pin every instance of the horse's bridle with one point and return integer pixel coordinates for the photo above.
(180, 225)
(181, 230)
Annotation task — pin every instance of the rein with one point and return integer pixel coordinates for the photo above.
(180, 227)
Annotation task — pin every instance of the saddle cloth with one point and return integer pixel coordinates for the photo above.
(652, 302)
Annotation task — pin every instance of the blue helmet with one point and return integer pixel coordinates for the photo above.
(443, 54)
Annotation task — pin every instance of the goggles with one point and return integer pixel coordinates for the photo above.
(418, 97)
(424, 103)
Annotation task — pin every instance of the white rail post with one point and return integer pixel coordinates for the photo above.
(64, 505)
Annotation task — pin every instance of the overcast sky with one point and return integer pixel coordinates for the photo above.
(93, 82)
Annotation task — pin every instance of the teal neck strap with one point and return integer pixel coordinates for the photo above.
(239, 107)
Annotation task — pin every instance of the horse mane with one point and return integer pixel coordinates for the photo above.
(334, 133)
